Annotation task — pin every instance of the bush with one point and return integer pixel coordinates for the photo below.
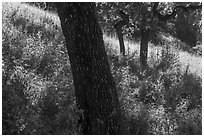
(38, 93)
(161, 89)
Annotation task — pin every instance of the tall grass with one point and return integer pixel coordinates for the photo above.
(38, 92)
(158, 99)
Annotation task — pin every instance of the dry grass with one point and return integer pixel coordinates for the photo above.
(186, 59)
(143, 117)
(37, 15)
(194, 62)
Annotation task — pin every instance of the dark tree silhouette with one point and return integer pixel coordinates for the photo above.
(144, 33)
(95, 89)
(118, 26)
(144, 46)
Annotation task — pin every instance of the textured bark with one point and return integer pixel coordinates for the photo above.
(95, 89)
(118, 26)
(144, 47)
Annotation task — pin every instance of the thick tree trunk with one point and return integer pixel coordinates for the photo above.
(118, 26)
(95, 89)
(144, 47)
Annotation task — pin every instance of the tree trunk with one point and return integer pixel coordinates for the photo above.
(118, 26)
(95, 89)
(144, 47)
(121, 41)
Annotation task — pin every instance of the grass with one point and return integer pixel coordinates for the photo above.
(32, 15)
(38, 92)
(193, 62)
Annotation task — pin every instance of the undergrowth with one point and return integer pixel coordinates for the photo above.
(159, 99)
(38, 93)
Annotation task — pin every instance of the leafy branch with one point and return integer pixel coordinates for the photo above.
(174, 12)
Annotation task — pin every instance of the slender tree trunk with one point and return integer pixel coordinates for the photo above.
(118, 26)
(95, 89)
(121, 41)
(144, 47)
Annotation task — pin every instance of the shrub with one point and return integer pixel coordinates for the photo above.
(38, 93)
(160, 88)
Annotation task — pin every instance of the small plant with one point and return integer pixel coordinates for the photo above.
(38, 93)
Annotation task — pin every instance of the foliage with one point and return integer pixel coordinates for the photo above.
(108, 16)
(155, 100)
(188, 27)
(37, 82)
(38, 93)
(141, 14)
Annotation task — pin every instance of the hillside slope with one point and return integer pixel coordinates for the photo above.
(38, 94)
(27, 16)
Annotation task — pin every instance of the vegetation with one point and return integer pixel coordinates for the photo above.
(38, 94)
(149, 18)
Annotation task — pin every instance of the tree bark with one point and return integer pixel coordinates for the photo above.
(95, 89)
(118, 26)
(144, 47)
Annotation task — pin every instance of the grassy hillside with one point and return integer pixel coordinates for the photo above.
(33, 15)
(37, 87)
(186, 59)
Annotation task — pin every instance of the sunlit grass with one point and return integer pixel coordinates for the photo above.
(37, 16)
(129, 83)
(194, 62)
(186, 59)
(32, 13)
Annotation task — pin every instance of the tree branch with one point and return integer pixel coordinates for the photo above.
(175, 10)
(124, 21)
